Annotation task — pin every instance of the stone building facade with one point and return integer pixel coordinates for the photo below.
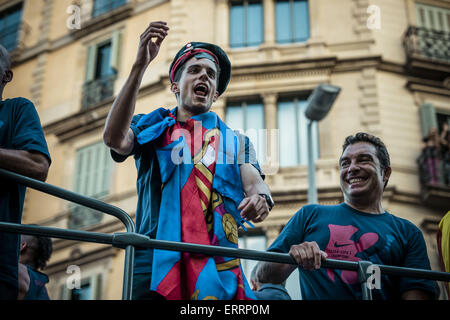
(71, 58)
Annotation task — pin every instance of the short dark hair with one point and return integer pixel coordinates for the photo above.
(42, 249)
(382, 152)
(261, 274)
(43, 253)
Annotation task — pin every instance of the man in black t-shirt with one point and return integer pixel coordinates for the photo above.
(23, 150)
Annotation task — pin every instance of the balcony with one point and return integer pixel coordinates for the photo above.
(427, 52)
(98, 91)
(434, 176)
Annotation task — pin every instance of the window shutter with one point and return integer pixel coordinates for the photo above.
(115, 51)
(92, 177)
(91, 63)
(92, 171)
(428, 118)
(433, 17)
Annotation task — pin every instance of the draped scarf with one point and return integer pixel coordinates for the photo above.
(201, 189)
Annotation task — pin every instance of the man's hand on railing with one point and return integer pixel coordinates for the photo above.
(308, 255)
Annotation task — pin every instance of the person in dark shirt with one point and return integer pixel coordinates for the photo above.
(23, 150)
(34, 254)
(263, 289)
(357, 229)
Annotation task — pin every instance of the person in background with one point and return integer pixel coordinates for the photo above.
(34, 254)
(357, 229)
(23, 150)
(263, 289)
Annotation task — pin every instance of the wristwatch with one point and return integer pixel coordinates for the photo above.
(269, 200)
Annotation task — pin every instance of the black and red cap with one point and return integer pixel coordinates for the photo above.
(203, 50)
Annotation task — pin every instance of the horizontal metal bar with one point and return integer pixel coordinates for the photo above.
(76, 235)
(90, 203)
(121, 239)
(127, 239)
(72, 197)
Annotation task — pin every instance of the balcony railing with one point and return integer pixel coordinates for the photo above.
(426, 43)
(97, 91)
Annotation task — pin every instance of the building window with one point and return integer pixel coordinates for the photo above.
(433, 32)
(246, 23)
(104, 6)
(433, 17)
(292, 21)
(92, 179)
(10, 21)
(101, 71)
(103, 66)
(248, 118)
(292, 125)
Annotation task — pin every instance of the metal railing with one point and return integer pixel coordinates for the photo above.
(427, 43)
(131, 240)
(82, 235)
(97, 91)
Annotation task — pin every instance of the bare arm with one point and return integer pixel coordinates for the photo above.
(28, 163)
(117, 134)
(24, 281)
(277, 272)
(254, 207)
(252, 181)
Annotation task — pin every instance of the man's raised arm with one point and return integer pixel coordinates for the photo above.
(117, 134)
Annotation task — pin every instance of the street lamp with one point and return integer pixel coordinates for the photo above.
(317, 107)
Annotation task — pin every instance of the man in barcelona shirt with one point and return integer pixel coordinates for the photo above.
(198, 181)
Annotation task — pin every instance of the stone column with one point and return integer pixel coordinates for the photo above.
(271, 164)
(222, 23)
(270, 109)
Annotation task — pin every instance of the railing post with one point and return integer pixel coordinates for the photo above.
(90, 203)
(363, 277)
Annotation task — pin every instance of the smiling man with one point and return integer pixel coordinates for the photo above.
(197, 179)
(358, 229)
